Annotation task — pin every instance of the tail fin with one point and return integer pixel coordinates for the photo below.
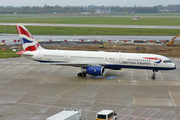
(27, 40)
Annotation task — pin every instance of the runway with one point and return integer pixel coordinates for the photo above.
(33, 91)
(97, 25)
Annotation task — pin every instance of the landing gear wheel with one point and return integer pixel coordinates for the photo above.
(153, 77)
(154, 74)
(81, 74)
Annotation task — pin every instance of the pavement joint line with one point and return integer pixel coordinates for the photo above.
(174, 118)
(22, 64)
(47, 98)
(134, 110)
(30, 105)
(123, 109)
(135, 117)
(166, 114)
(123, 117)
(153, 114)
(144, 112)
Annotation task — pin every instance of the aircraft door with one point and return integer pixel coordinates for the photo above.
(120, 59)
(155, 64)
(65, 57)
(39, 55)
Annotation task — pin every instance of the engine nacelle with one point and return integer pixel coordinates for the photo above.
(94, 70)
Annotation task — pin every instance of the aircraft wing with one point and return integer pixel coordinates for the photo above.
(79, 64)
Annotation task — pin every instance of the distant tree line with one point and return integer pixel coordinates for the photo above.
(90, 8)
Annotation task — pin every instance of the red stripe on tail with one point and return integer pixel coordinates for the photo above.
(32, 48)
(23, 31)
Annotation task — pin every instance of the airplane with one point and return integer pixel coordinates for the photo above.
(91, 62)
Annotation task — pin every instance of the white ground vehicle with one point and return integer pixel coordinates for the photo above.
(106, 115)
(67, 114)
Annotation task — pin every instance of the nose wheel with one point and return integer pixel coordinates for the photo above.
(154, 74)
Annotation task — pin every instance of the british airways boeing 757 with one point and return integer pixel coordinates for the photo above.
(92, 63)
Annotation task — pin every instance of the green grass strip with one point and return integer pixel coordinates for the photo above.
(46, 30)
(169, 20)
(8, 54)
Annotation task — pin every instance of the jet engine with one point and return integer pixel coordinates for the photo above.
(94, 70)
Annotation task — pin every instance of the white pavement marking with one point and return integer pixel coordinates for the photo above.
(172, 100)
(165, 115)
(123, 117)
(176, 77)
(135, 118)
(122, 110)
(65, 71)
(108, 103)
(146, 74)
(134, 110)
(175, 118)
(6, 67)
(178, 115)
(153, 114)
(42, 81)
(97, 95)
(55, 69)
(132, 74)
(143, 112)
(160, 75)
(43, 96)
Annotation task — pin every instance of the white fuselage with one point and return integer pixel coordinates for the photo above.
(110, 60)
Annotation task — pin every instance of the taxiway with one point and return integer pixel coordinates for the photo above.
(33, 91)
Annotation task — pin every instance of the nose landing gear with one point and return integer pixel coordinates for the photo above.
(154, 74)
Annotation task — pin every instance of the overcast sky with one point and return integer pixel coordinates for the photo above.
(88, 2)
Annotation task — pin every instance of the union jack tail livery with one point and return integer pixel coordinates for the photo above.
(27, 40)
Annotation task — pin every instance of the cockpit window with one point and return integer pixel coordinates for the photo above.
(167, 61)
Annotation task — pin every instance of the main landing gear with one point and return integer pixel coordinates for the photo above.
(81, 74)
(154, 74)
